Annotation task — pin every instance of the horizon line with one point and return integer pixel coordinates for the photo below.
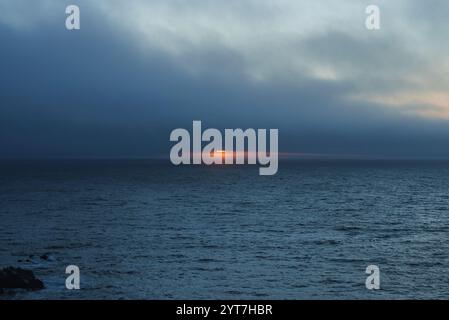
(282, 156)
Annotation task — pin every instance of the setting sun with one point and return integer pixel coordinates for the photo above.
(220, 153)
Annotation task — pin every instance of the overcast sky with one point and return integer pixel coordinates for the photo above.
(138, 69)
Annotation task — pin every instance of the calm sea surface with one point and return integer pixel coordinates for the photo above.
(145, 229)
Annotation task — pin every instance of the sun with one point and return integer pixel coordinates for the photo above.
(219, 153)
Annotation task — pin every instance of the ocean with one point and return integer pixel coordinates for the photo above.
(145, 229)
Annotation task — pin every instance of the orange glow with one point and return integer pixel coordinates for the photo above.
(232, 154)
(220, 153)
(223, 154)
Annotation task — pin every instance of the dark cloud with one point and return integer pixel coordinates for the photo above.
(99, 92)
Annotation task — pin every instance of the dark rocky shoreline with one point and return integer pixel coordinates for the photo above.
(18, 278)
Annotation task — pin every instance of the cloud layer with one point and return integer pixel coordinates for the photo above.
(138, 69)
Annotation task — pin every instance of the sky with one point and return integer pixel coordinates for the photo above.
(138, 69)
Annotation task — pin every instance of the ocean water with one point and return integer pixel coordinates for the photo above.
(141, 229)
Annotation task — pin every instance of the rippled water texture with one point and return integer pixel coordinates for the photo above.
(143, 229)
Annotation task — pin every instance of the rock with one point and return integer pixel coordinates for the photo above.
(47, 257)
(18, 278)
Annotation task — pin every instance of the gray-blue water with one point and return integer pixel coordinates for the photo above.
(144, 229)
